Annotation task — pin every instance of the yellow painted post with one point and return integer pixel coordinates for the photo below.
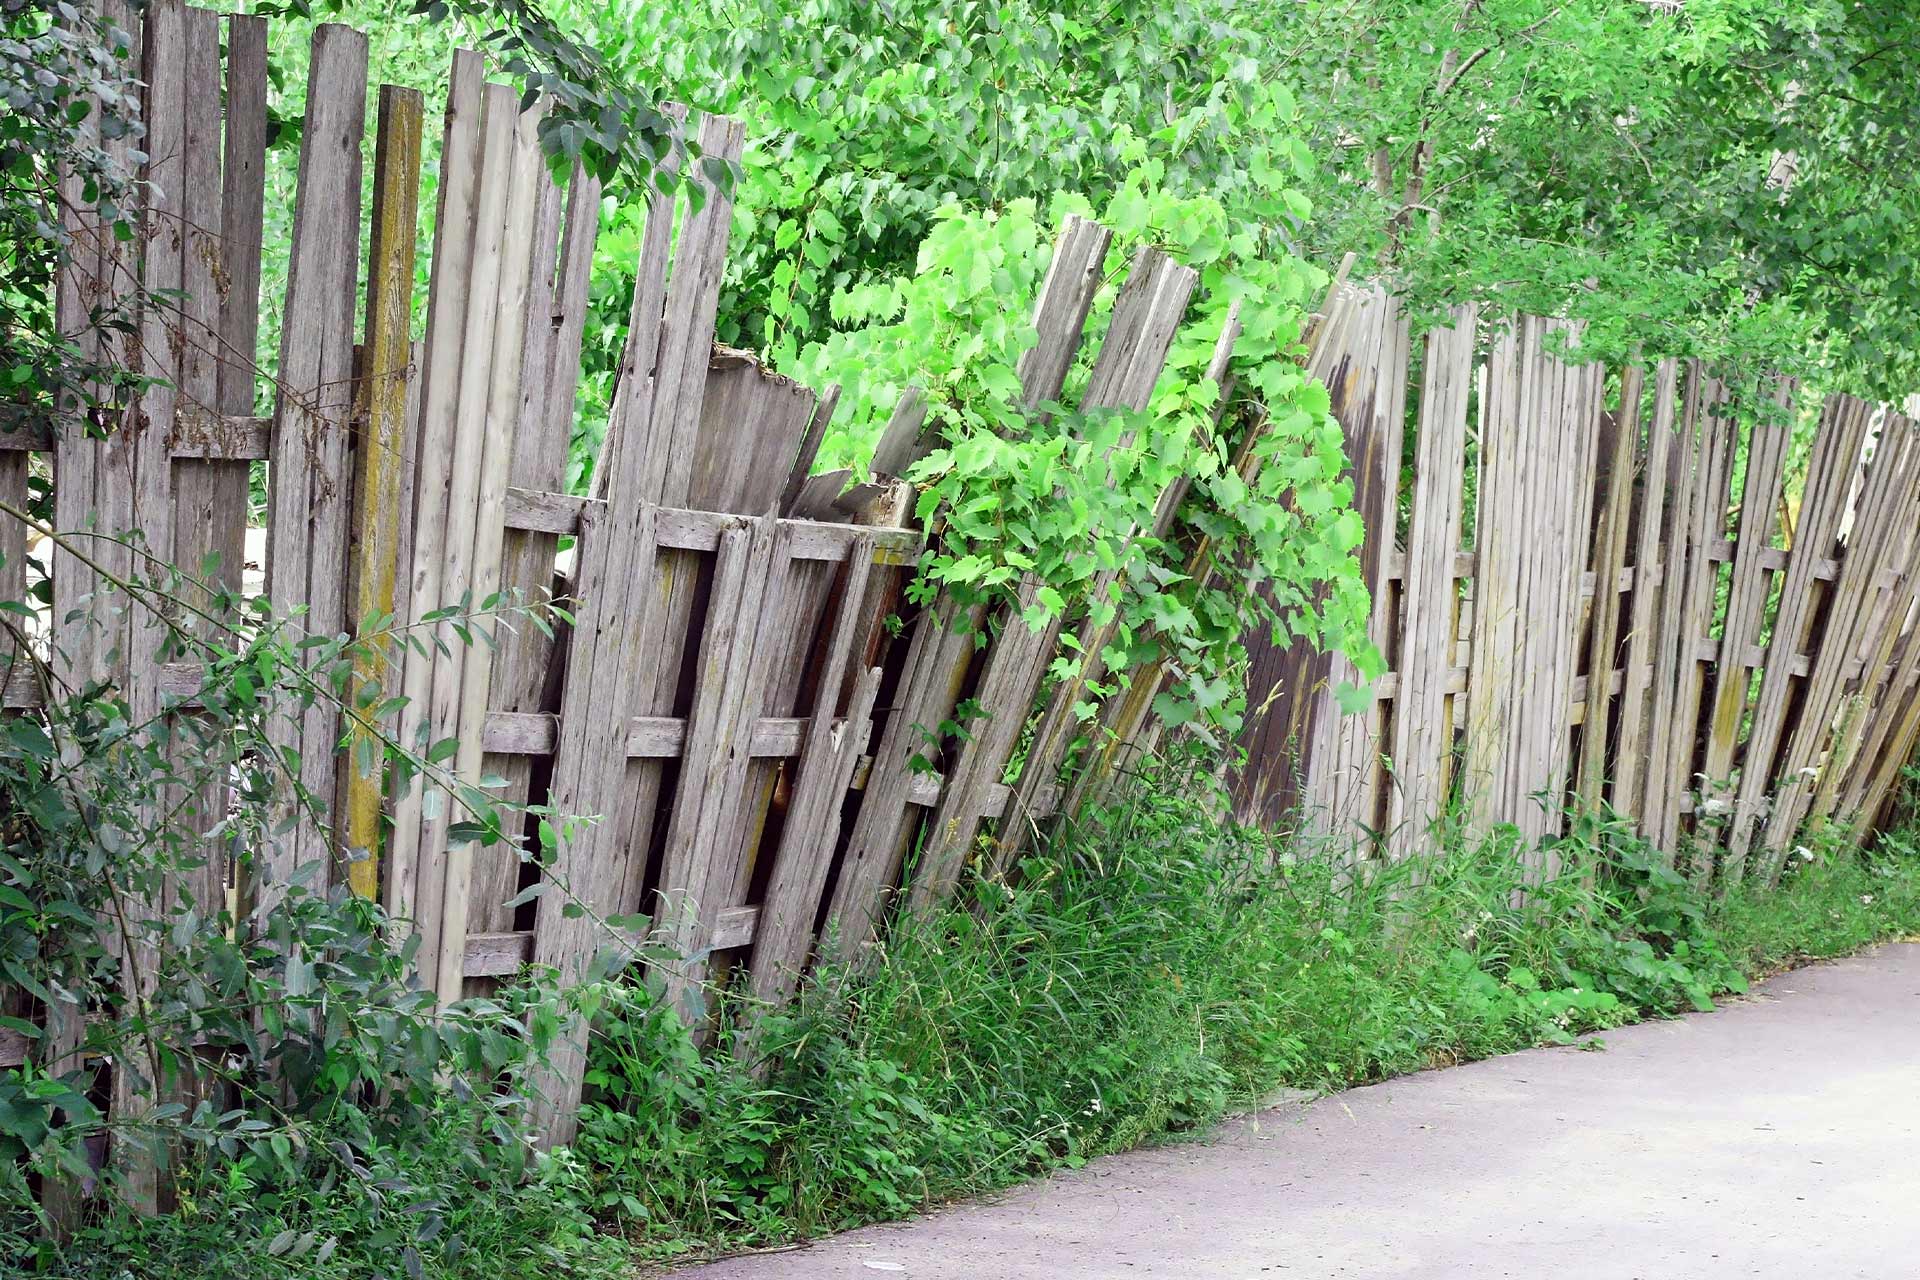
(379, 455)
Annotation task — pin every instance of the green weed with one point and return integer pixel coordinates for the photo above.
(1151, 970)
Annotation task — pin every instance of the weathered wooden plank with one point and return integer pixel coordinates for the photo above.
(603, 649)
(1659, 817)
(1534, 517)
(1422, 727)
(1284, 682)
(1655, 454)
(828, 754)
(135, 493)
(1836, 451)
(703, 855)
(1352, 784)
(1605, 622)
(413, 889)
(1706, 524)
(802, 465)
(1748, 588)
(308, 476)
(443, 868)
(524, 668)
(1495, 602)
(941, 650)
(1883, 515)
(527, 179)
(1145, 317)
(378, 459)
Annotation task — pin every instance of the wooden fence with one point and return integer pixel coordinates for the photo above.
(728, 702)
(1601, 594)
(762, 751)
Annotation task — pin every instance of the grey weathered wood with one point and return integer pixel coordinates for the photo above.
(1606, 623)
(527, 182)
(412, 888)
(1748, 587)
(1651, 542)
(828, 755)
(704, 847)
(1422, 723)
(441, 868)
(802, 466)
(1659, 818)
(660, 379)
(1882, 516)
(1348, 780)
(1145, 318)
(308, 472)
(1540, 431)
(134, 490)
(524, 666)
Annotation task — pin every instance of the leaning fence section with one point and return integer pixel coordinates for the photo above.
(1603, 587)
(763, 759)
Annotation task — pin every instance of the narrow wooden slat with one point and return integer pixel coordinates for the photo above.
(1836, 451)
(1610, 553)
(457, 541)
(1659, 818)
(526, 179)
(703, 854)
(941, 650)
(1349, 780)
(524, 666)
(1145, 317)
(809, 448)
(1284, 682)
(828, 754)
(134, 490)
(379, 457)
(1748, 588)
(413, 889)
(603, 650)
(308, 473)
(1651, 541)
(1883, 516)
(1422, 737)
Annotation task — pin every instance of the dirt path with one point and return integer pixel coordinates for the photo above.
(1779, 1137)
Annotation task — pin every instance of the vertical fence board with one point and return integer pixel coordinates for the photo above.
(527, 180)
(1747, 590)
(1610, 558)
(524, 666)
(308, 476)
(1885, 509)
(1422, 744)
(1652, 541)
(379, 462)
(411, 890)
(828, 754)
(492, 262)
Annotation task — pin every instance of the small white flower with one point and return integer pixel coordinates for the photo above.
(1715, 807)
(1810, 773)
(1866, 899)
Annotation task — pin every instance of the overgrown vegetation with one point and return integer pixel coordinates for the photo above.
(1151, 971)
(1718, 178)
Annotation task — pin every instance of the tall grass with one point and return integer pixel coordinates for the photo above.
(1150, 970)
